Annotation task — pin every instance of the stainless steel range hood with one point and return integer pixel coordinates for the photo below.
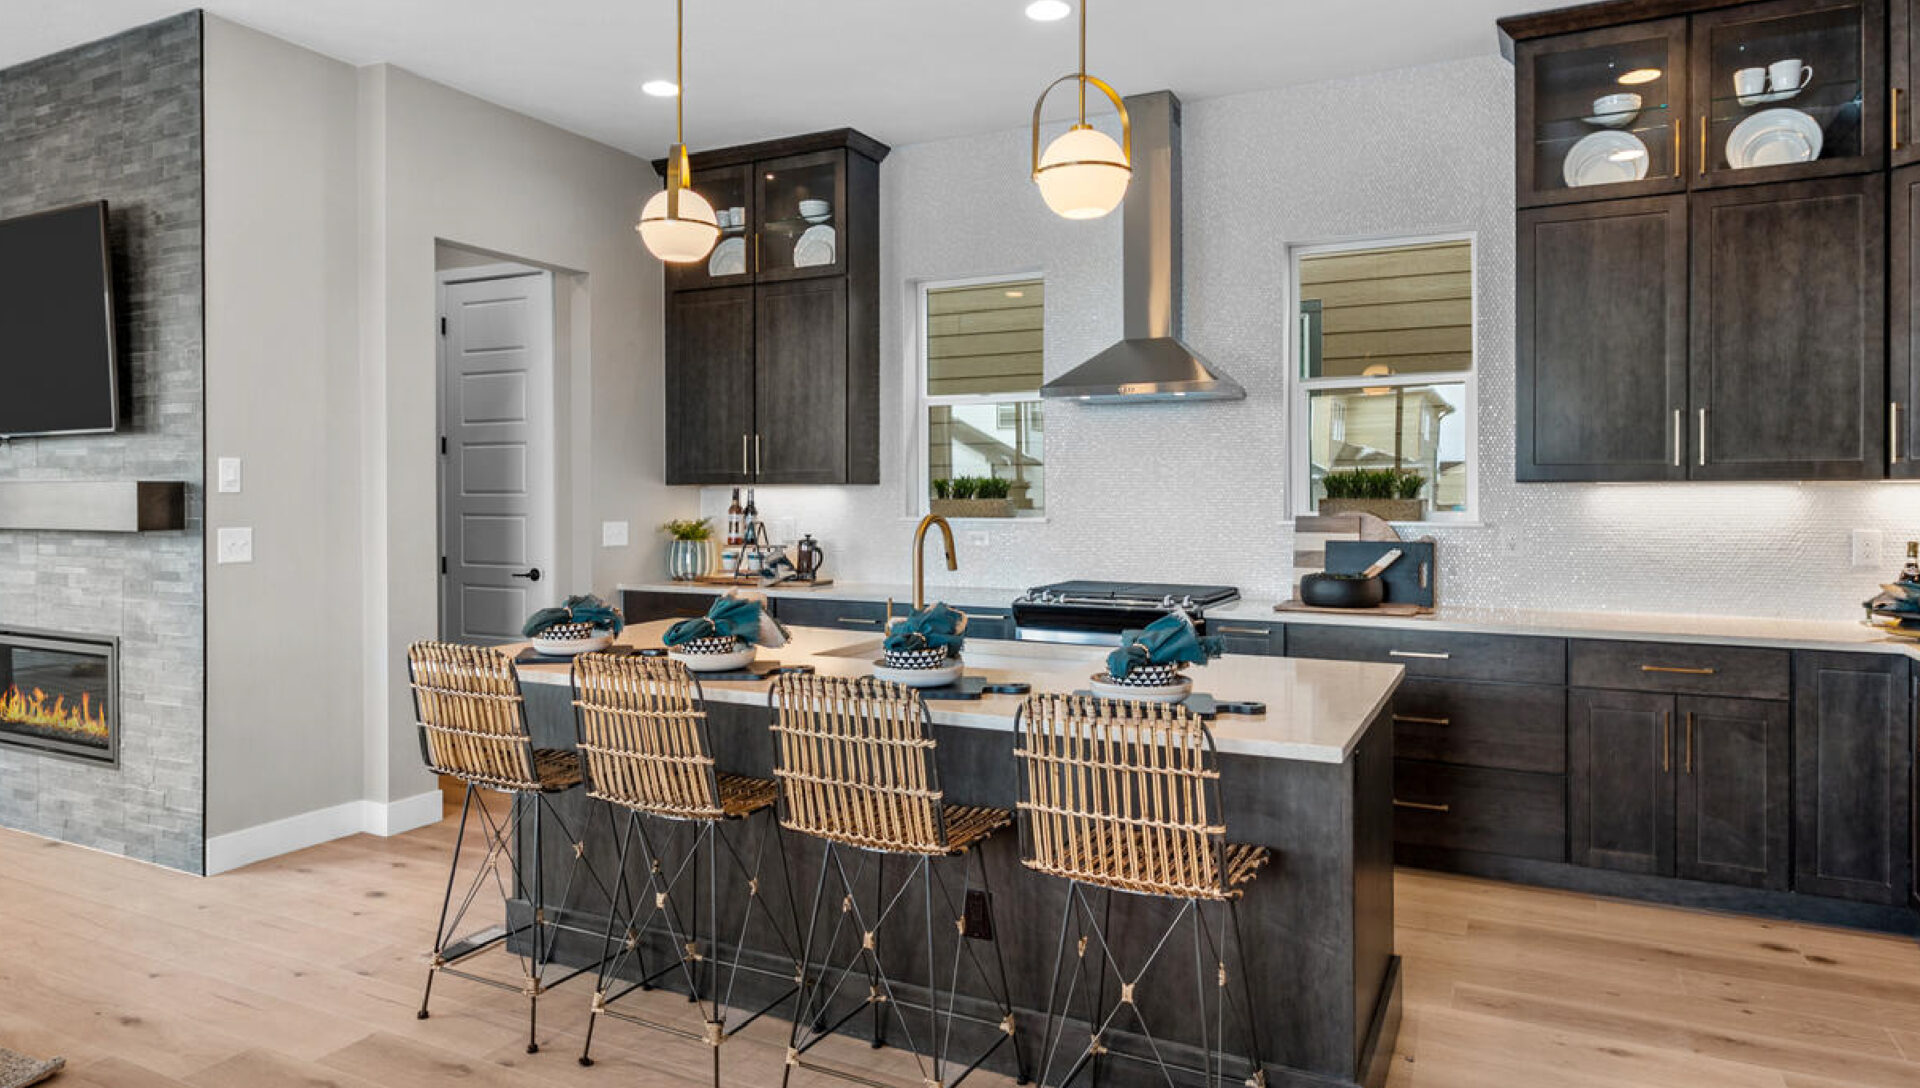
(1152, 363)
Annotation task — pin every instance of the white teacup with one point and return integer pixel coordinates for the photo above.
(1788, 76)
(1750, 81)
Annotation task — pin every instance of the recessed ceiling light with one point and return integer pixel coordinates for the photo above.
(1641, 75)
(1048, 11)
(661, 88)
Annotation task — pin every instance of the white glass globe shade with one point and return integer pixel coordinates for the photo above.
(682, 240)
(1094, 184)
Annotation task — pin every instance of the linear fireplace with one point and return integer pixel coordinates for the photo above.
(60, 694)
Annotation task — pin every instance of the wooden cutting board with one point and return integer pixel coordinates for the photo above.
(1379, 610)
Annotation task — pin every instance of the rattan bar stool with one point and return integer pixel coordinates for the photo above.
(855, 760)
(645, 747)
(1125, 797)
(473, 726)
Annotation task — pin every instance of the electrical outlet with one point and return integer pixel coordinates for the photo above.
(977, 538)
(613, 534)
(229, 475)
(1866, 547)
(235, 545)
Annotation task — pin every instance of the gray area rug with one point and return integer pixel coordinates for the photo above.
(18, 1070)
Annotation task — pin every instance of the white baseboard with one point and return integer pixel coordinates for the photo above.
(238, 849)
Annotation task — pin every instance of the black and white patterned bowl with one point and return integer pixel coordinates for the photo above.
(1148, 676)
(933, 657)
(566, 632)
(712, 644)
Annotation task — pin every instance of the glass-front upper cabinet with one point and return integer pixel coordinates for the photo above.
(802, 216)
(1903, 56)
(1602, 114)
(730, 190)
(1789, 89)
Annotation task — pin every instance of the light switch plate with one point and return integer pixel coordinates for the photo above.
(235, 545)
(229, 476)
(1866, 547)
(613, 534)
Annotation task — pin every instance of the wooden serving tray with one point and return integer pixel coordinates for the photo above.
(1411, 610)
(752, 581)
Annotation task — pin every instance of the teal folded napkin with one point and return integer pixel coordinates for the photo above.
(935, 627)
(741, 617)
(585, 608)
(1169, 640)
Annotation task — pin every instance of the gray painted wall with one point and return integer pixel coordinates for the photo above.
(1197, 492)
(119, 119)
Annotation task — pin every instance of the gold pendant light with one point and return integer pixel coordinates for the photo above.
(678, 224)
(1083, 174)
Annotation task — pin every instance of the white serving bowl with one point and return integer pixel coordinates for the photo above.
(1615, 110)
(570, 647)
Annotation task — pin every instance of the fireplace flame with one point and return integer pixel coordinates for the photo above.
(83, 719)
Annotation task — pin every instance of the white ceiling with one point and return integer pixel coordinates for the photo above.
(903, 71)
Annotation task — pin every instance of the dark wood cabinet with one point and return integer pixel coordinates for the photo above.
(1903, 64)
(709, 386)
(1620, 781)
(1853, 763)
(1903, 324)
(1734, 819)
(1788, 352)
(775, 377)
(1602, 381)
(1255, 639)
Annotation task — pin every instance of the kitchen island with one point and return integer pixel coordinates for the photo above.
(1311, 779)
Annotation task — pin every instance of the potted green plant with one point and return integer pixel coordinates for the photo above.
(972, 497)
(690, 548)
(1392, 494)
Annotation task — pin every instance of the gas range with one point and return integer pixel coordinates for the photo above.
(1095, 613)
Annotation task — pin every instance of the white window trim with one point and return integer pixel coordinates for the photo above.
(1300, 387)
(921, 400)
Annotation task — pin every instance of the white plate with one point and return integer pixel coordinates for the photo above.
(738, 659)
(568, 647)
(1605, 158)
(1765, 97)
(1774, 138)
(729, 258)
(1171, 693)
(1613, 118)
(919, 678)
(814, 247)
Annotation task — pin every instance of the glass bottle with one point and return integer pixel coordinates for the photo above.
(734, 515)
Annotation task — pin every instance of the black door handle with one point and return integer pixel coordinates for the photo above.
(532, 575)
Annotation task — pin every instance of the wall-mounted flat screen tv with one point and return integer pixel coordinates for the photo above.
(59, 373)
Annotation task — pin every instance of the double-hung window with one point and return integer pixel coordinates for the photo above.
(981, 362)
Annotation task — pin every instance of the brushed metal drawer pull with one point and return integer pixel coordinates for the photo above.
(862, 620)
(1415, 719)
(1423, 654)
(1703, 436)
(1681, 670)
(1679, 437)
(1893, 432)
(1421, 806)
(1255, 631)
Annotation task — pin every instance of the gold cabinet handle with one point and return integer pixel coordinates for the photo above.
(1894, 113)
(1423, 654)
(1703, 145)
(1415, 719)
(1682, 670)
(1666, 742)
(1679, 158)
(1689, 742)
(1421, 806)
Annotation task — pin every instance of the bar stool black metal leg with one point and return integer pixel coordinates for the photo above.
(873, 977)
(802, 1000)
(446, 903)
(1256, 1054)
(608, 960)
(539, 927)
(1024, 1073)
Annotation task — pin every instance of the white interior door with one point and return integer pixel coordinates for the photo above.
(497, 485)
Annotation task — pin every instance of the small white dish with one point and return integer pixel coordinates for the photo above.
(1763, 97)
(920, 678)
(571, 647)
(815, 211)
(1107, 689)
(1615, 110)
(1608, 157)
(814, 247)
(1774, 138)
(739, 659)
(729, 258)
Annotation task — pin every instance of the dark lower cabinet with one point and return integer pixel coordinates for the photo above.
(1479, 810)
(1853, 763)
(645, 606)
(1602, 382)
(1255, 639)
(845, 615)
(1734, 816)
(1620, 781)
(709, 386)
(1787, 359)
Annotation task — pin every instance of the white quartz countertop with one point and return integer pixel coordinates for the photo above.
(1788, 634)
(1316, 710)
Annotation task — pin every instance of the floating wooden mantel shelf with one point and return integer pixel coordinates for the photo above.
(93, 506)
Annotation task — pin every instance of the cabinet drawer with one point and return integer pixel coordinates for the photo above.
(846, 615)
(1255, 639)
(1473, 808)
(1439, 654)
(1515, 727)
(643, 606)
(1738, 671)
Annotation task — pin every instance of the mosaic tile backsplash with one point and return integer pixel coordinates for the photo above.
(1197, 492)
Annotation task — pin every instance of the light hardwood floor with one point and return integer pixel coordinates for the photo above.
(305, 972)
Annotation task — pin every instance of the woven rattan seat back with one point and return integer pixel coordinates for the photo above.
(643, 736)
(473, 722)
(1121, 795)
(855, 760)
